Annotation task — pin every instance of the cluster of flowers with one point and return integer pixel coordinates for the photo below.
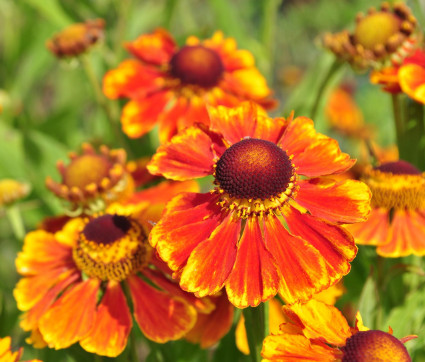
(277, 219)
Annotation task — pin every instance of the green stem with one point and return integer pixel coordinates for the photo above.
(269, 10)
(132, 343)
(398, 119)
(169, 12)
(255, 326)
(419, 13)
(15, 219)
(336, 65)
(380, 284)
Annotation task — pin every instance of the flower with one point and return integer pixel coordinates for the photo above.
(396, 223)
(91, 181)
(75, 280)
(6, 354)
(76, 38)
(172, 86)
(381, 38)
(234, 236)
(12, 190)
(316, 331)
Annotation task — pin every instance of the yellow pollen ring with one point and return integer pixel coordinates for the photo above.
(392, 191)
(115, 261)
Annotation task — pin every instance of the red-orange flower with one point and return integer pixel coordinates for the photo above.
(234, 236)
(6, 354)
(172, 86)
(316, 331)
(397, 222)
(73, 279)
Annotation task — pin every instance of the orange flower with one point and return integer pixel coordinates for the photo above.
(73, 279)
(316, 331)
(234, 236)
(397, 222)
(76, 38)
(172, 86)
(6, 355)
(12, 190)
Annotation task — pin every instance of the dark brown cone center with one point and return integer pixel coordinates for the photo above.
(106, 229)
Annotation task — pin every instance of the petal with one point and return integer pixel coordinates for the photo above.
(296, 348)
(210, 263)
(302, 269)
(254, 278)
(322, 321)
(407, 236)
(314, 153)
(188, 219)
(171, 118)
(112, 324)
(374, 231)
(139, 117)
(188, 155)
(412, 81)
(334, 244)
(247, 84)
(132, 79)
(160, 316)
(72, 316)
(339, 202)
(155, 48)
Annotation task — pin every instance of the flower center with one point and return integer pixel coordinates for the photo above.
(376, 29)
(197, 65)
(254, 176)
(374, 345)
(111, 247)
(398, 185)
(86, 169)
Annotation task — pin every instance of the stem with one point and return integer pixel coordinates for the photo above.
(169, 12)
(123, 12)
(268, 29)
(380, 289)
(398, 119)
(419, 13)
(255, 323)
(15, 219)
(131, 345)
(336, 65)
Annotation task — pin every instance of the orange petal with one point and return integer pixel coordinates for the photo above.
(210, 328)
(340, 202)
(322, 321)
(296, 348)
(254, 278)
(188, 155)
(210, 263)
(188, 219)
(160, 316)
(334, 244)
(171, 118)
(155, 48)
(407, 236)
(139, 116)
(72, 316)
(412, 81)
(374, 231)
(314, 153)
(132, 79)
(302, 269)
(112, 324)
(247, 83)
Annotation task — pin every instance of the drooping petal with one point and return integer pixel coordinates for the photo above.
(72, 316)
(412, 81)
(112, 324)
(296, 348)
(314, 153)
(132, 79)
(335, 245)
(155, 48)
(188, 219)
(254, 278)
(212, 260)
(302, 268)
(170, 118)
(374, 231)
(188, 155)
(247, 83)
(339, 202)
(160, 316)
(407, 236)
(139, 116)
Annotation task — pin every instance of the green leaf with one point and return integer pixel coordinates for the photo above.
(368, 302)
(52, 11)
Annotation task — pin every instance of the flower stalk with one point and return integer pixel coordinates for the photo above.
(256, 325)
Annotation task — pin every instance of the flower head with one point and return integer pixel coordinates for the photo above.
(76, 38)
(12, 190)
(381, 37)
(172, 86)
(396, 223)
(316, 331)
(74, 281)
(234, 236)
